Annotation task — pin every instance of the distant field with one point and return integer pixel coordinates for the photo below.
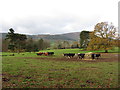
(27, 70)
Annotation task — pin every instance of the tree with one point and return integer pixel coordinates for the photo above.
(35, 48)
(12, 38)
(40, 44)
(84, 39)
(11, 47)
(29, 45)
(58, 44)
(75, 45)
(65, 44)
(46, 44)
(17, 41)
(5, 44)
(103, 36)
(20, 41)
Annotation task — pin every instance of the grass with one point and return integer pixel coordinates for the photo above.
(48, 73)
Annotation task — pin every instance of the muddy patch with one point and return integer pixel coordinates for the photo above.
(109, 57)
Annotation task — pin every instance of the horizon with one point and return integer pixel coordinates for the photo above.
(42, 33)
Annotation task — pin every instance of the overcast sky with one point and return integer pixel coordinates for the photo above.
(56, 16)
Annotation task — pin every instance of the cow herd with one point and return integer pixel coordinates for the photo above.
(83, 55)
(71, 55)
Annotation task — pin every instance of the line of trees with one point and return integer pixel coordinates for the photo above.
(15, 42)
(66, 45)
(36, 45)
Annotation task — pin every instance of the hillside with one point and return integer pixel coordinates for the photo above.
(74, 35)
(67, 36)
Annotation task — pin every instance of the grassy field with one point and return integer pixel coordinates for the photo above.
(32, 71)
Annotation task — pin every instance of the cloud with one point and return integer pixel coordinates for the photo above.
(52, 25)
(55, 16)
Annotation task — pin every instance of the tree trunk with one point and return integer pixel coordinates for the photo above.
(106, 51)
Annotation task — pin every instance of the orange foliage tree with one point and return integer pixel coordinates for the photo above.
(103, 37)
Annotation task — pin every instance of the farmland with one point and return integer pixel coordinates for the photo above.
(27, 70)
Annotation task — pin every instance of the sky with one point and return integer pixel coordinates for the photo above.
(56, 16)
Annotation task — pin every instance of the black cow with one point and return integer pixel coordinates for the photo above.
(12, 55)
(50, 53)
(97, 55)
(81, 55)
(70, 55)
(93, 56)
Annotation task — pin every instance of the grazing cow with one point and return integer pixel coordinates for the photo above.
(50, 53)
(81, 55)
(69, 55)
(93, 56)
(97, 55)
(40, 53)
(46, 53)
(11, 55)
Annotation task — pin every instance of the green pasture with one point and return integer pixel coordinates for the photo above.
(38, 73)
(58, 52)
(21, 72)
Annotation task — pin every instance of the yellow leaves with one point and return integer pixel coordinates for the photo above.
(105, 30)
(97, 43)
(102, 37)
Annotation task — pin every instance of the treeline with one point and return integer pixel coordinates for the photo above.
(103, 37)
(65, 44)
(15, 42)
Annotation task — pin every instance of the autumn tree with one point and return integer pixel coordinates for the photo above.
(117, 41)
(75, 44)
(65, 44)
(102, 37)
(58, 44)
(61, 44)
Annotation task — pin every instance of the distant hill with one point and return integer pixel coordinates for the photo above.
(74, 35)
(67, 36)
